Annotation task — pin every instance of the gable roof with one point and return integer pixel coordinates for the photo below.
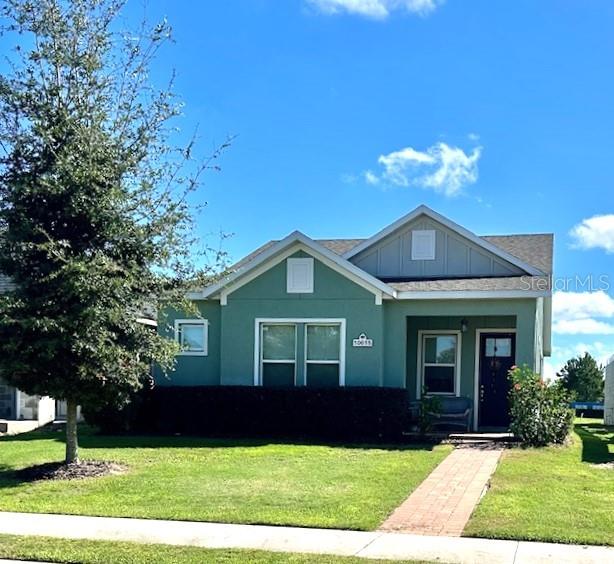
(531, 252)
(535, 250)
(265, 257)
(428, 212)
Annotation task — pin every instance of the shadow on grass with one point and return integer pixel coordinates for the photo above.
(89, 439)
(596, 442)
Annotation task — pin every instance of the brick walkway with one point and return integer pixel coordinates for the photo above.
(443, 503)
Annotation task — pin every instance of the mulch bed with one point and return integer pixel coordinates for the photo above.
(73, 471)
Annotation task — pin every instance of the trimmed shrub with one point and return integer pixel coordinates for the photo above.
(351, 413)
(539, 410)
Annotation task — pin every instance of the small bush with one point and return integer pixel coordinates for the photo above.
(351, 413)
(429, 405)
(539, 410)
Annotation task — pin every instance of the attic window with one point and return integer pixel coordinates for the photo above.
(423, 244)
(300, 276)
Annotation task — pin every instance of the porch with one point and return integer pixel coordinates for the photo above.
(467, 356)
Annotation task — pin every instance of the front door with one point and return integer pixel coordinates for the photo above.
(497, 356)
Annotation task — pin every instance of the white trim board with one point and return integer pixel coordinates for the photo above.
(277, 253)
(425, 210)
(259, 321)
(476, 372)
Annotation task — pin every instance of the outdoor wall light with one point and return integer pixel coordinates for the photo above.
(464, 325)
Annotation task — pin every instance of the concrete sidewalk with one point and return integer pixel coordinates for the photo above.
(392, 546)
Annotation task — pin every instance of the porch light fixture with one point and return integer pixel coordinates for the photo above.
(464, 325)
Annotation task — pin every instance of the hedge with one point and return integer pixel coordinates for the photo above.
(352, 413)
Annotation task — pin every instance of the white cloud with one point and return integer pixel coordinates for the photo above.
(441, 168)
(580, 305)
(371, 178)
(550, 370)
(595, 232)
(583, 327)
(374, 9)
(582, 313)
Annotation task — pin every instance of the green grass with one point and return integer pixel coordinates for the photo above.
(559, 494)
(186, 478)
(103, 552)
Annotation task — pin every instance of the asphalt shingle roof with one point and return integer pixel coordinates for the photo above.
(534, 249)
(501, 283)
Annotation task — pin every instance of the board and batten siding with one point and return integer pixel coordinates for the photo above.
(455, 256)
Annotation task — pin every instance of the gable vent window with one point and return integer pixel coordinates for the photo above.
(423, 244)
(300, 276)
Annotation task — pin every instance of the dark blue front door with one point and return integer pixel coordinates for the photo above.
(497, 356)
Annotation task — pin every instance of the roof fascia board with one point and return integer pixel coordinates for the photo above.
(470, 294)
(286, 247)
(261, 258)
(424, 210)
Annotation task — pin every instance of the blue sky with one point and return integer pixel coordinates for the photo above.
(349, 113)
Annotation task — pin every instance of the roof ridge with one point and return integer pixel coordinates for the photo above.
(517, 234)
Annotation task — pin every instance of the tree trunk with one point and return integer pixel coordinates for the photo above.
(72, 446)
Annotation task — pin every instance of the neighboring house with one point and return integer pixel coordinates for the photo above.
(424, 305)
(16, 405)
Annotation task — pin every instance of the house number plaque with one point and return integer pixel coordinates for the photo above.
(362, 341)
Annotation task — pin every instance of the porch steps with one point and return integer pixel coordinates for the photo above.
(14, 427)
(480, 439)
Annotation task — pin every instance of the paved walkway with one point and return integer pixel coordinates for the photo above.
(392, 546)
(443, 503)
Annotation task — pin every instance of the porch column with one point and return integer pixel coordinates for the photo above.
(525, 336)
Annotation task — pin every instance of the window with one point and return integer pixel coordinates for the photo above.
(299, 275)
(322, 356)
(440, 363)
(299, 352)
(192, 336)
(423, 244)
(498, 347)
(278, 355)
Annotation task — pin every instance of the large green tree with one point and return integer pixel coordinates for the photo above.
(95, 225)
(584, 377)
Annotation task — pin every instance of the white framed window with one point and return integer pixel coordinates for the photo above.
(278, 354)
(299, 275)
(439, 362)
(423, 244)
(193, 336)
(291, 351)
(323, 355)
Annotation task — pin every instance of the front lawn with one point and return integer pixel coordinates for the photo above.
(559, 494)
(103, 552)
(188, 478)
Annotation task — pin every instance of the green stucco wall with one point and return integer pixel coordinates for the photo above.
(393, 326)
(194, 370)
(468, 343)
(334, 296)
(402, 320)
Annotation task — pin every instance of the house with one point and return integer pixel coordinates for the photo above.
(424, 304)
(18, 410)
